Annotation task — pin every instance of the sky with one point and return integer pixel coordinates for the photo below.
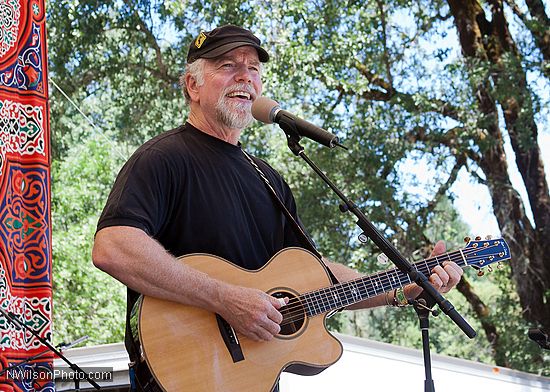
(474, 203)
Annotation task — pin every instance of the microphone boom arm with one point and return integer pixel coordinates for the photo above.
(376, 236)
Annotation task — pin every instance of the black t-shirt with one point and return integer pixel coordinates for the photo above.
(195, 193)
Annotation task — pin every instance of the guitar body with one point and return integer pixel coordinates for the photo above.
(184, 348)
(189, 349)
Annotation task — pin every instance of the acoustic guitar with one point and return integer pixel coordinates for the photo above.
(190, 349)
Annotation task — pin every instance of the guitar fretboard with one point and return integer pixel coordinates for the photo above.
(354, 291)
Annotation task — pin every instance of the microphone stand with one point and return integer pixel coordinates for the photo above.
(423, 307)
(15, 321)
(370, 231)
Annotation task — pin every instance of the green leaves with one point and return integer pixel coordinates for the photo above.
(86, 300)
(388, 77)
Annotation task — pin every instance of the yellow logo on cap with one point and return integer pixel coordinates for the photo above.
(200, 40)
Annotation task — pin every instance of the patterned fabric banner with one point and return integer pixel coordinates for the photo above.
(25, 231)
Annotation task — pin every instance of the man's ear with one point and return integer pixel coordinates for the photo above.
(192, 87)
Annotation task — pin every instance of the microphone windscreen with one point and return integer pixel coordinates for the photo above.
(262, 109)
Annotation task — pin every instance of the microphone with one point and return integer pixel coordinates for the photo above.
(269, 111)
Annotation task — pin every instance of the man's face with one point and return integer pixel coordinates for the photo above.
(231, 83)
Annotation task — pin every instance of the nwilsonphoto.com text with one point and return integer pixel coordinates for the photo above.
(60, 374)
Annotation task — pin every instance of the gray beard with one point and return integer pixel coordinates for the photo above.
(233, 114)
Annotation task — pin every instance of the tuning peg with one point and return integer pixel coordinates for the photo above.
(490, 268)
(478, 238)
(382, 258)
(467, 239)
(500, 265)
(489, 237)
(480, 273)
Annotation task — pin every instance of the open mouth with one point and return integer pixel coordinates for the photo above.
(241, 95)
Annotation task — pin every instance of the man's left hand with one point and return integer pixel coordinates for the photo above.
(443, 278)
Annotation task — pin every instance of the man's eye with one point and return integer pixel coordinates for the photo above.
(227, 65)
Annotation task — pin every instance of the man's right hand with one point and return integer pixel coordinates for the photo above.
(251, 312)
(141, 263)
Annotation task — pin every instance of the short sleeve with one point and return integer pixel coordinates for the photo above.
(139, 197)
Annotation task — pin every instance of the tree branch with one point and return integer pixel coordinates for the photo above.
(375, 79)
(162, 72)
(167, 79)
(448, 139)
(519, 13)
(385, 56)
(387, 93)
(538, 25)
(425, 211)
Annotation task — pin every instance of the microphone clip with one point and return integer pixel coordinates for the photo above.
(420, 303)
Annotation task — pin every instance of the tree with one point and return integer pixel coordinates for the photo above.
(488, 46)
(87, 301)
(387, 77)
(460, 128)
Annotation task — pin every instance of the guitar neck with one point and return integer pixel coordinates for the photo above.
(345, 294)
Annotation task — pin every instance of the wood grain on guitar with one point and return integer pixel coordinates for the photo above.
(188, 348)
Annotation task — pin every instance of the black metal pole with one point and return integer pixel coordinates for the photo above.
(376, 236)
(423, 307)
(14, 320)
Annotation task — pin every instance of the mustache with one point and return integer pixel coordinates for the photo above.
(240, 87)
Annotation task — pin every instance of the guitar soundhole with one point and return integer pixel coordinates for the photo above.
(293, 313)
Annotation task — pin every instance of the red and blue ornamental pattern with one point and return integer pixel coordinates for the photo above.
(25, 230)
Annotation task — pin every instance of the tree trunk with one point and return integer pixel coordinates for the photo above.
(490, 42)
(482, 312)
(540, 30)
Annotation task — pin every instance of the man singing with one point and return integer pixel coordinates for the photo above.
(192, 190)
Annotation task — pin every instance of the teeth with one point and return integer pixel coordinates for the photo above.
(239, 94)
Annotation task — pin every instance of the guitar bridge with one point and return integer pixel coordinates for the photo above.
(230, 338)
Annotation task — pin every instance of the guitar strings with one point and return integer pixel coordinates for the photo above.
(299, 306)
(316, 296)
(383, 276)
(296, 308)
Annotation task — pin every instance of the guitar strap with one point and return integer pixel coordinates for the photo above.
(302, 236)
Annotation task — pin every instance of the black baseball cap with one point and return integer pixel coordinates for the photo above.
(211, 44)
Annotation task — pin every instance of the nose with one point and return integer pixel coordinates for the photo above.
(243, 74)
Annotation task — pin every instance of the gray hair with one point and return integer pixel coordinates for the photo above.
(196, 70)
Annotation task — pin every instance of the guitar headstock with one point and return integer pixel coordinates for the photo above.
(479, 253)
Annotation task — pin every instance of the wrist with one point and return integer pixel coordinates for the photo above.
(221, 291)
(399, 298)
(387, 296)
